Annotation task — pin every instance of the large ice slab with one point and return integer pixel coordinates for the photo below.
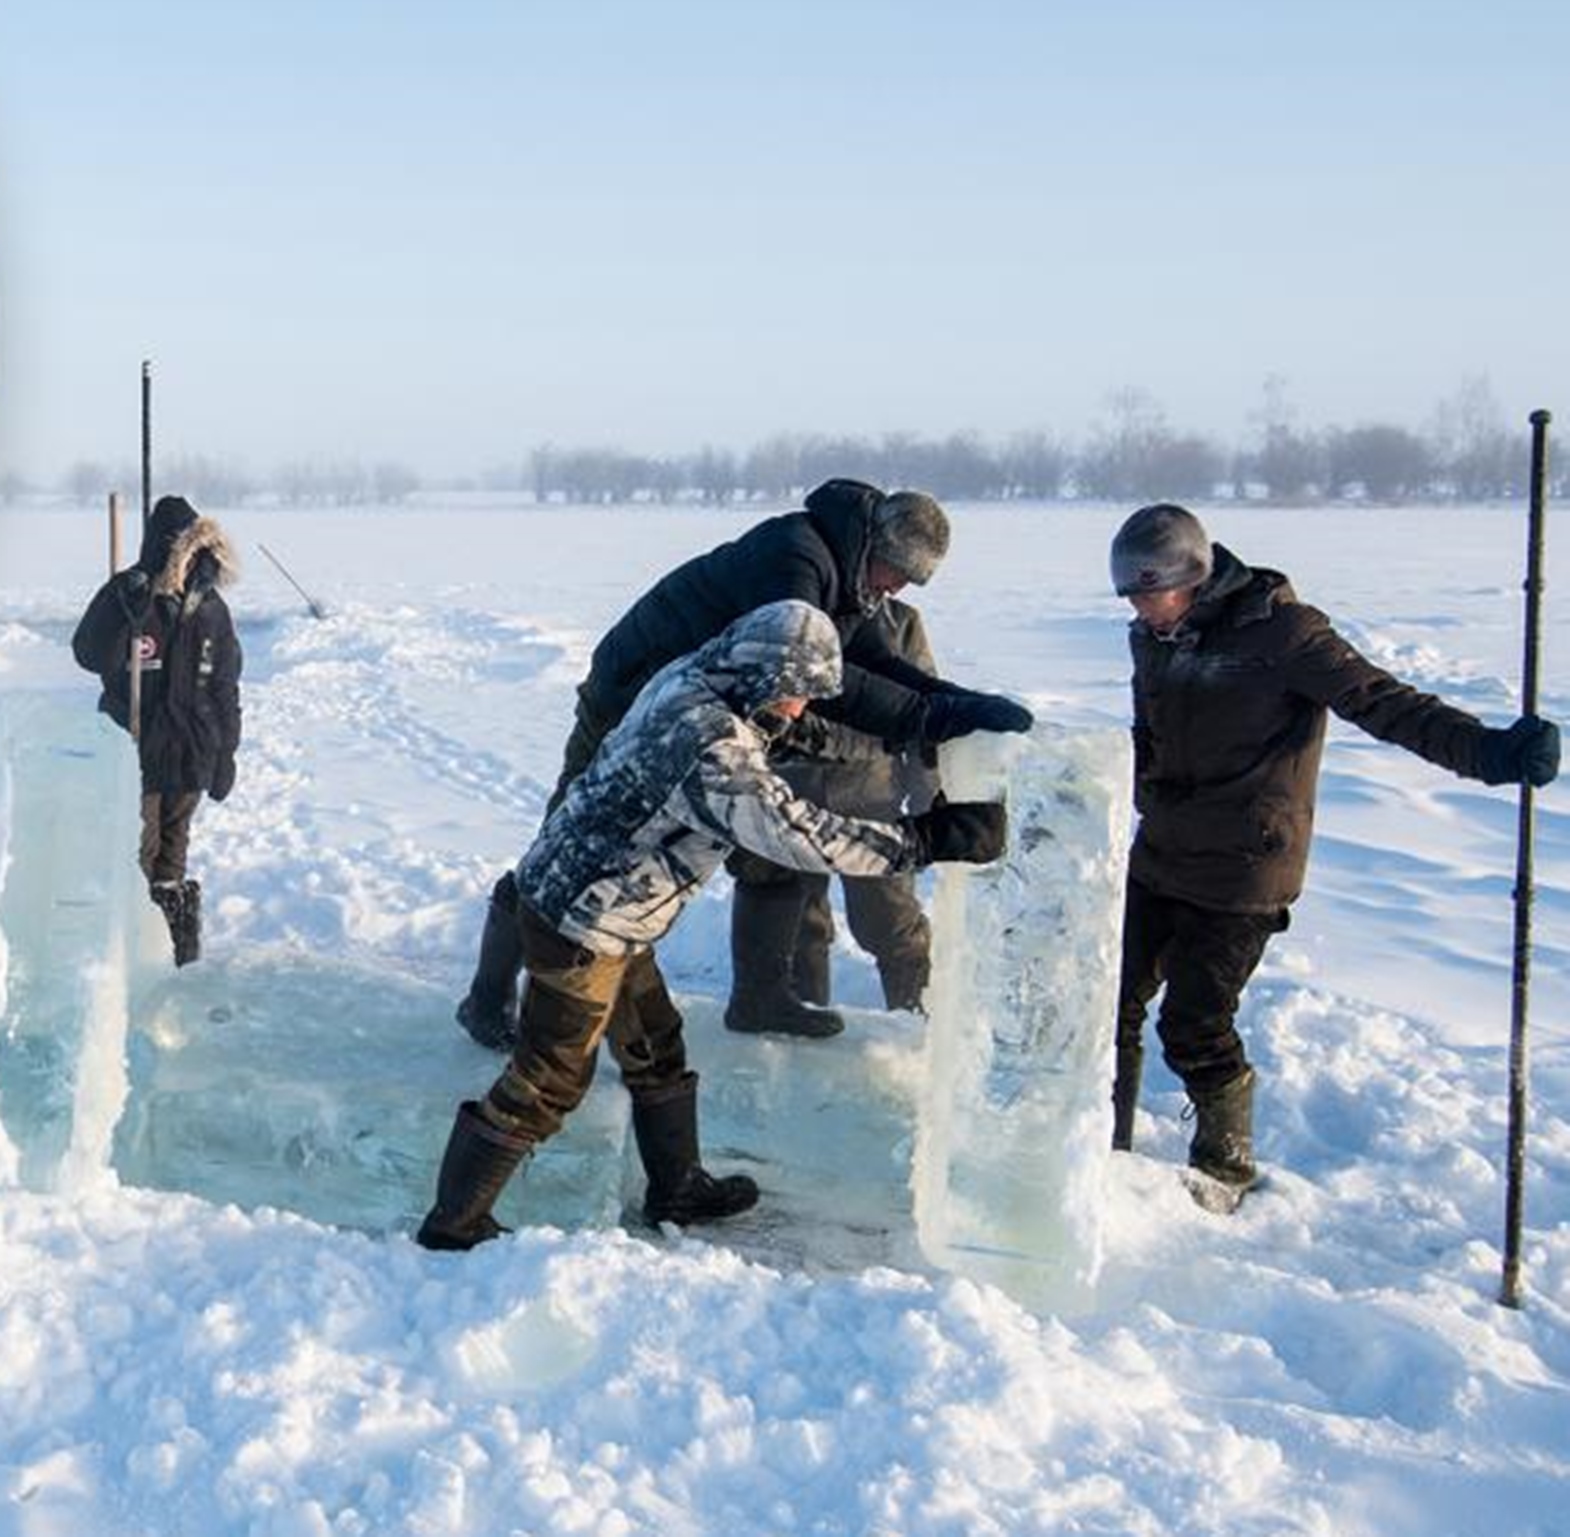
(66, 910)
(1014, 1121)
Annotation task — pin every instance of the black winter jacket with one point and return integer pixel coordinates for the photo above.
(191, 660)
(1229, 726)
(818, 556)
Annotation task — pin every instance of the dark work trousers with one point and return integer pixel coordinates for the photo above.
(166, 834)
(572, 999)
(885, 918)
(1205, 959)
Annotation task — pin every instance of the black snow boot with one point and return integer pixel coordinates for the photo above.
(169, 898)
(490, 1010)
(479, 1160)
(1223, 1143)
(765, 924)
(681, 1190)
(188, 929)
(1125, 1096)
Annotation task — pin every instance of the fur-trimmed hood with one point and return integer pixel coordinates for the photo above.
(203, 534)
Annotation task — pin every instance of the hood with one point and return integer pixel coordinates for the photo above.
(182, 549)
(845, 513)
(786, 650)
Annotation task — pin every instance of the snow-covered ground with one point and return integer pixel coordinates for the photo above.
(232, 1352)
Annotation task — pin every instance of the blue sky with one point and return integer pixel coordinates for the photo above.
(445, 234)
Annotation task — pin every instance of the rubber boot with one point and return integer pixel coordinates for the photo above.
(188, 926)
(479, 1160)
(681, 1190)
(1223, 1143)
(489, 1012)
(811, 975)
(1125, 1096)
(905, 983)
(765, 925)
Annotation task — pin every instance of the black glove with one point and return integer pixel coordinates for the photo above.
(1525, 753)
(223, 777)
(953, 712)
(967, 832)
(807, 734)
(135, 592)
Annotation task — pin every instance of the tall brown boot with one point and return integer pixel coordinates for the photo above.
(479, 1160)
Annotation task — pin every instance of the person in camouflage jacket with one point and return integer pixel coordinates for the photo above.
(1233, 679)
(849, 548)
(683, 780)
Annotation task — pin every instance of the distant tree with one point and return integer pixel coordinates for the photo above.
(1183, 467)
(393, 483)
(772, 468)
(711, 472)
(1034, 465)
(205, 480)
(1286, 462)
(1134, 456)
(1472, 449)
(13, 486)
(1384, 462)
(88, 481)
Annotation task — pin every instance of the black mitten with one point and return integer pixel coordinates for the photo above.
(1525, 753)
(223, 777)
(135, 592)
(966, 832)
(956, 712)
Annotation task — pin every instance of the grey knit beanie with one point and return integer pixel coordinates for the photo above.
(1160, 547)
(910, 532)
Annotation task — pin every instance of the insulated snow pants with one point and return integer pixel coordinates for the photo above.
(166, 834)
(573, 998)
(1205, 959)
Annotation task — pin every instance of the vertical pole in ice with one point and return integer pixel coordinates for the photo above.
(1014, 1124)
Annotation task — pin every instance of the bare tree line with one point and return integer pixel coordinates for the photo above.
(1467, 452)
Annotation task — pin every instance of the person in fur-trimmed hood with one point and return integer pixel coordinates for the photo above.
(683, 780)
(851, 546)
(168, 606)
(1233, 678)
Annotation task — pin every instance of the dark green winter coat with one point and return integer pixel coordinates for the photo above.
(1229, 726)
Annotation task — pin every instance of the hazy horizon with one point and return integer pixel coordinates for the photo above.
(378, 232)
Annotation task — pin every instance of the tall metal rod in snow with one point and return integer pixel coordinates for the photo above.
(147, 440)
(1510, 1290)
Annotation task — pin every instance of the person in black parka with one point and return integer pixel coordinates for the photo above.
(169, 607)
(850, 547)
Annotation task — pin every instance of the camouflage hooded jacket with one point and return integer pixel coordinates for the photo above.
(191, 659)
(685, 778)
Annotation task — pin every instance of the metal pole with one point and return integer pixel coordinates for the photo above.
(147, 439)
(114, 532)
(1510, 1288)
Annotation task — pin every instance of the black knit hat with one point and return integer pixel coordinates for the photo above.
(910, 532)
(1160, 547)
